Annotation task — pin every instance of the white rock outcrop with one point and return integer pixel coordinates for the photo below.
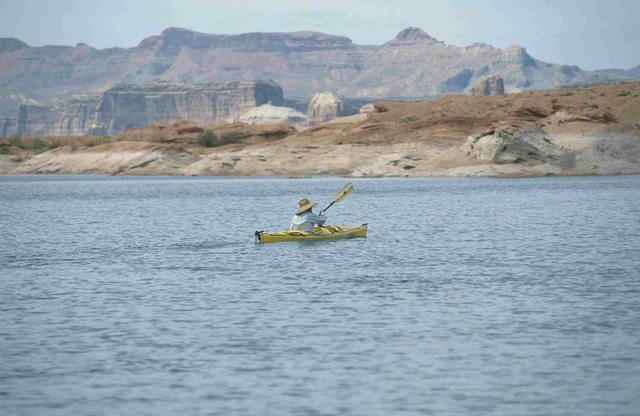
(271, 114)
(523, 144)
(323, 107)
(367, 108)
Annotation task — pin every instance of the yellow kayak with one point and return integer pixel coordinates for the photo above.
(318, 233)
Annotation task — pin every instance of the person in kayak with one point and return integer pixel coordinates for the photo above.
(305, 219)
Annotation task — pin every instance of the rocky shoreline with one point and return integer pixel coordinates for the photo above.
(577, 131)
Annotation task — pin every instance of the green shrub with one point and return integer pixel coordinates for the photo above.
(16, 141)
(38, 144)
(230, 137)
(5, 148)
(207, 139)
(35, 144)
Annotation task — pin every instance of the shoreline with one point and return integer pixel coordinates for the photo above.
(398, 160)
(328, 176)
(563, 132)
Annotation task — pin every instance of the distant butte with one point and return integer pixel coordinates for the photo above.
(412, 35)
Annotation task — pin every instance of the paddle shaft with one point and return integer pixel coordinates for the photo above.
(329, 206)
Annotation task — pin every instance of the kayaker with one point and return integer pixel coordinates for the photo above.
(305, 219)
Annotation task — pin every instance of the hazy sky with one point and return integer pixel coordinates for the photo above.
(590, 33)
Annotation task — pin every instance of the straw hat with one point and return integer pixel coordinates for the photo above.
(305, 204)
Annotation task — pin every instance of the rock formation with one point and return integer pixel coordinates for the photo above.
(367, 108)
(127, 106)
(413, 65)
(76, 117)
(271, 114)
(11, 45)
(324, 106)
(37, 120)
(493, 85)
(8, 126)
(523, 143)
(412, 36)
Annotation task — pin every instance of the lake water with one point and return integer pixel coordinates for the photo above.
(148, 296)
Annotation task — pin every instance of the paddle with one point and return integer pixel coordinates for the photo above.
(344, 192)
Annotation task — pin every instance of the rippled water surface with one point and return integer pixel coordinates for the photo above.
(149, 296)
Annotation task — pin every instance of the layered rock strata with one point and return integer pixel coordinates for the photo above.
(488, 86)
(129, 106)
(8, 126)
(413, 65)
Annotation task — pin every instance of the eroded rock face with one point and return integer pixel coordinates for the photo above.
(522, 143)
(8, 126)
(412, 65)
(35, 120)
(130, 106)
(324, 106)
(488, 86)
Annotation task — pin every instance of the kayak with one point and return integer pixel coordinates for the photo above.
(318, 233)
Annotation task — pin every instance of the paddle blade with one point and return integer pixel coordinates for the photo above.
(344, 192)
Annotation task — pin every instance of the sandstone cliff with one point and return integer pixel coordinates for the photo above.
(133, 106)
(324, 106)
(488, 86)
(75, 117)
(8, 126)
(414, 65)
